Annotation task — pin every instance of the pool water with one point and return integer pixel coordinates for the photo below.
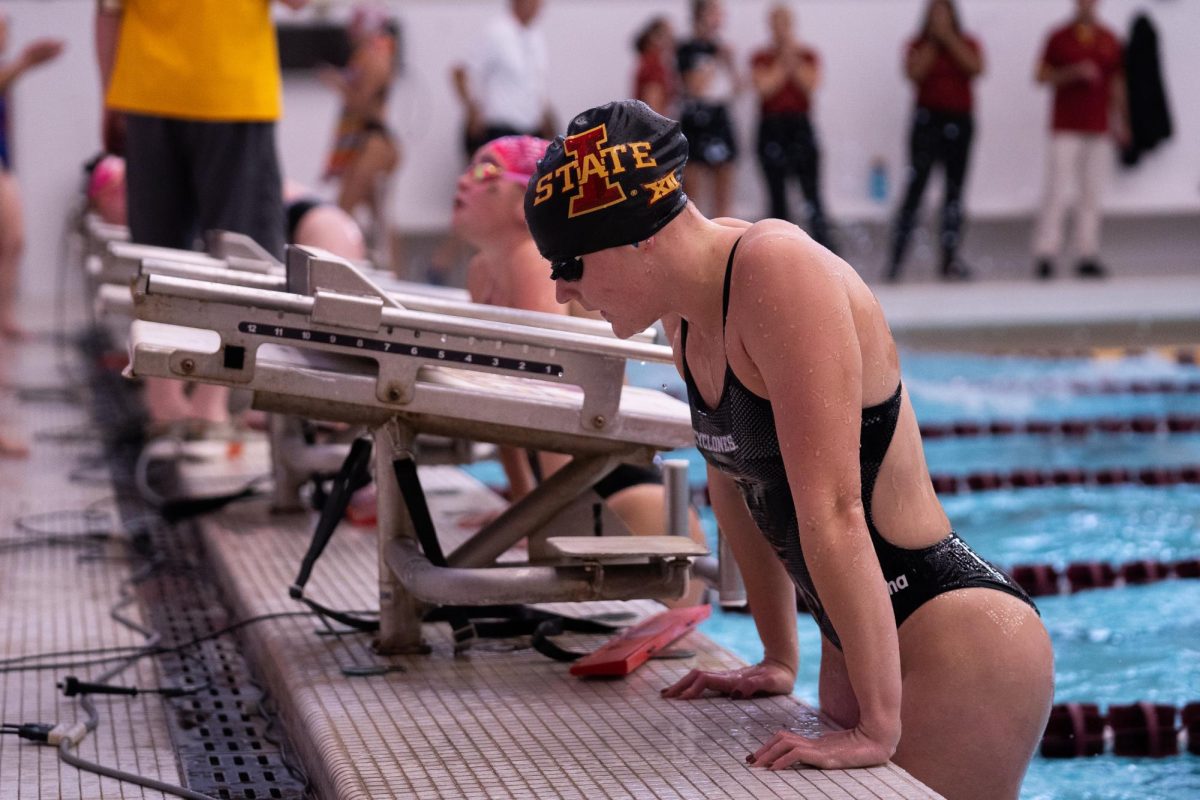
(1119, 645)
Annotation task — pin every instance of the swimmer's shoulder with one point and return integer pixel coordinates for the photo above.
(777, 259)
(777, 244)
(731, 222)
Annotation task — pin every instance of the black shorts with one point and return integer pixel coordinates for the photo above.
(294, 212)
(186, 177)
(624, 476)
(709, 133)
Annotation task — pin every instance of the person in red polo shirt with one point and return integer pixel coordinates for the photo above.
(655, 82)
(941, 62)
(785, 75)
(1082, 63)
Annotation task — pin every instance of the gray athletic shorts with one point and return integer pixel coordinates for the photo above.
(186, 177)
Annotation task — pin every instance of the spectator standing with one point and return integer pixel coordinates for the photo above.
(192, 93)
(785, 75)
(504, 88)
(710, 81)
(12, 218)
(656, 81)
(1082, 63)
(365, 152)
(941, 62)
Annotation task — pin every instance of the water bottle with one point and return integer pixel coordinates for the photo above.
(877, 182)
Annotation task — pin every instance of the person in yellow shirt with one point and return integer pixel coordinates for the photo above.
(192, 92)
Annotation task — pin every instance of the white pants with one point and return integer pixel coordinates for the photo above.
(1075, 165)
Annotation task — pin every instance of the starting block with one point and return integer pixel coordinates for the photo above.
(337, 346)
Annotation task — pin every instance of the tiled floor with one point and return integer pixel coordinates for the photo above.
(58, 597)
(498, 722)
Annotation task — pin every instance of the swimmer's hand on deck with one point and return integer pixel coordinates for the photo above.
(759, 680)
(831, 750)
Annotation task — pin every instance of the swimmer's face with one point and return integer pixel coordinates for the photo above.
(489, 199)
(615, 283)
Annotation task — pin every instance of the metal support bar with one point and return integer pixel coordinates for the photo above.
(730, 588)
(662, 580)
(675, 481)
(294, 461)
(533, 511)
(399, 611)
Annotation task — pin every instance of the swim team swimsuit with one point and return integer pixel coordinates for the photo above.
(738, 437)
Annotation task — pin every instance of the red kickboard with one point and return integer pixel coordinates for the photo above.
(631, 648)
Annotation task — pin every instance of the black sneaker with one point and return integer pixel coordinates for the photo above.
(1089, 268)
(955, 270)
(1043, 269)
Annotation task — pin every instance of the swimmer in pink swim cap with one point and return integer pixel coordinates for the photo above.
(507, 270)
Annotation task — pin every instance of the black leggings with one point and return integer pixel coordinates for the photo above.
(787, 146)
(936, 137)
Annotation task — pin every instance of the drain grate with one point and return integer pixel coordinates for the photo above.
(225, 734)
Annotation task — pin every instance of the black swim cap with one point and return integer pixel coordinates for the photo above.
(614, 179)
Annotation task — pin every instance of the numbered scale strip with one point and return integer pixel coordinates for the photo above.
(381, 346)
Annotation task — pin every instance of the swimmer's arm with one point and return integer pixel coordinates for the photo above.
(799, 333)
(769, 589)
(107, 32)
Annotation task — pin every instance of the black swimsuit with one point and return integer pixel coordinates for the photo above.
(738, 437)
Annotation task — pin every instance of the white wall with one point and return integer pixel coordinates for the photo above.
(862, 110)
